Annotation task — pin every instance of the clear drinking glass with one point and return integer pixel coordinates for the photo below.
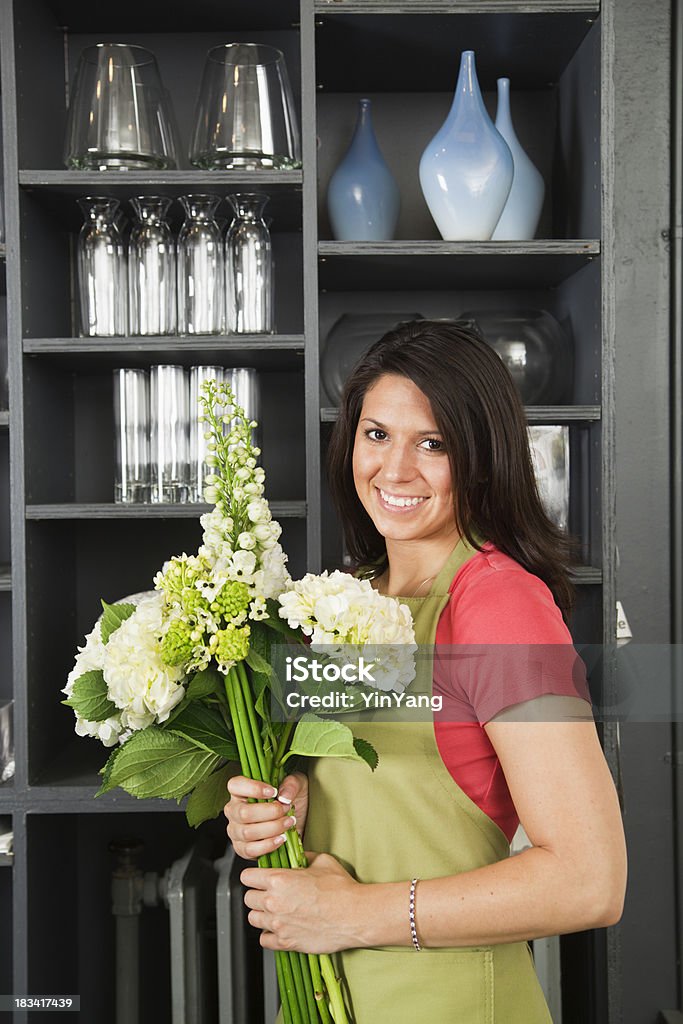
(198, 443)
(119, 115)
(131, 419)
(246, 388)
(102, 281)
(248, 268)
(200, 268)
(170, 433)
(152, 268)
(245, 115)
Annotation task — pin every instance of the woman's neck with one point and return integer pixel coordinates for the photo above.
(412, 566)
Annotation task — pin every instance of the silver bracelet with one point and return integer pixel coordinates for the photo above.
(411, 911)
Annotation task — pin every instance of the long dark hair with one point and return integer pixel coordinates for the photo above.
(481, 418)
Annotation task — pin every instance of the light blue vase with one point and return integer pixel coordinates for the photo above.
(466, 170)
(522, 210)
(363, 200)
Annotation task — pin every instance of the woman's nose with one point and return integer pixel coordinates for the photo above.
(399, 463)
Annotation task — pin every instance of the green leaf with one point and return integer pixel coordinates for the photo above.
(112, 617)
(206, 728)
(321, 737)
(209, 797)
(203, 684)
(157, 763)
(89, 697)
(258, 664)
(366, 751)
(106, 769)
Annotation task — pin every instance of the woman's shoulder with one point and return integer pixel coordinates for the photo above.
(496, 600)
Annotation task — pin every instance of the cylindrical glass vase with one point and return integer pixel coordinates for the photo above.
(198, 443)
(131, 420)
(151, 268)
(102, 284)
(169, 409)
(246, 389)
(248, 267)
(200, 268)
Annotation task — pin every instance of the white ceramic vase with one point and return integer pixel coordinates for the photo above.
(522, 210)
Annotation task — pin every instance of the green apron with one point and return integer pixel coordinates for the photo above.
(410, 819)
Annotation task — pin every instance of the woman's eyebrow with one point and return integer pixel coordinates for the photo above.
(426, 430)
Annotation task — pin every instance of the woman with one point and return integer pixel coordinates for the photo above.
(431, 473)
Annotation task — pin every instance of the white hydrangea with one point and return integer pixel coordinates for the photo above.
(346, 618)
(138, 682)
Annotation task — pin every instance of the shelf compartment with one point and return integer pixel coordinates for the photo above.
(433, 265)
(534, 414)
(424, 45)
(70, 437)
(263, 352)
(5, 577)
(94, 511)
(4, 419)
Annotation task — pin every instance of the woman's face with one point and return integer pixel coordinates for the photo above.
(400, 466)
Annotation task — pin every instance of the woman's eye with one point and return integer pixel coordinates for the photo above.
(432, 444)
(375, 434)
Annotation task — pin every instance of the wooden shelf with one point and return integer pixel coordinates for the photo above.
(439, 265)
(58, 191)
(6, 860)
(586, 575)
(105, 510)
(534, 413)
(264, 352)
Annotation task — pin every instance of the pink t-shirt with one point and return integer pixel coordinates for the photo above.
(500, 640)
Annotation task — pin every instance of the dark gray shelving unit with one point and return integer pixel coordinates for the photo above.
(70, 544)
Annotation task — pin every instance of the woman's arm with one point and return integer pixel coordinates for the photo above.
(573, 877)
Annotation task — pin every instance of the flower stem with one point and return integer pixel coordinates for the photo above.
(333, 990)
(319, 987)
(248, 705)
(284, 995)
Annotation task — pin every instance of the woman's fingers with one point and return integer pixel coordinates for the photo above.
(290, 787)
(241, 786)
(252, 851)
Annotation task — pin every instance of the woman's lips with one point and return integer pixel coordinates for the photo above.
(402, 509)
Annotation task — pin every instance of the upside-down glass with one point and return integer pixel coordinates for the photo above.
(245, 115)
(170, 433)
(248, 268)
(198, 443)
(131, 420)
(152, 268)
(200, 268)
(119, 115)
(102, 284)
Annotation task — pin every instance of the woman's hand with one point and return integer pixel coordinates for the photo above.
(258, 829)
(310, 910)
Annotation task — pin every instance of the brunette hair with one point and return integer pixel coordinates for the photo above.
(481, 418)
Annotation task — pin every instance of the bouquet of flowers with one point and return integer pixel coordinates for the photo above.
(179, 681)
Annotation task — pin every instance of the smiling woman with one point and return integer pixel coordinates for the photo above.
(411, 884)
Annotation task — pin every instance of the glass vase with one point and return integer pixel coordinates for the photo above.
(245, 115)
(169, 434)
(119, 114)
(363, 200)
(131, 421)
(200, 268)
(102, 284)
(152, 268)
(248, 268)
(466, 170)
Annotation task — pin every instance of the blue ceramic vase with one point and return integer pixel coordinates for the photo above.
(466, 170)
(522, 210)
(363, 200)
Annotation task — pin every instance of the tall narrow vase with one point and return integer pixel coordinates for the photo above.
(248, 267)
(102, 275)
(200, 267)
(363, 200)
(522, 210)
(466, 170)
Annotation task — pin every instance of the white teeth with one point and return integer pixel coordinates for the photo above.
(392, 499)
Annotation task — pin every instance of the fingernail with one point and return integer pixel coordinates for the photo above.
(270, 792)
(290, 821)
(279, 840)
(284, 799)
